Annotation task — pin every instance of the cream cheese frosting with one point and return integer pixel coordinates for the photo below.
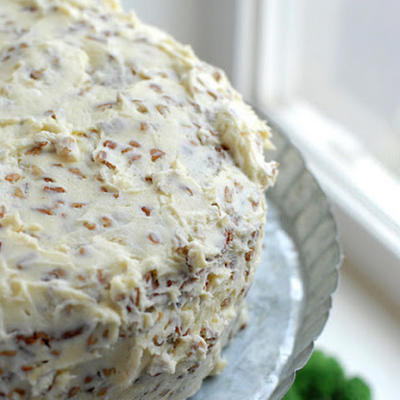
(132, 181)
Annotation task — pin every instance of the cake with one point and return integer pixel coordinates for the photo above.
(132, 209)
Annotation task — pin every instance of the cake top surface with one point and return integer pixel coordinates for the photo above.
(118, 147)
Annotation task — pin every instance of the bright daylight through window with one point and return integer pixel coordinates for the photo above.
(336, 95)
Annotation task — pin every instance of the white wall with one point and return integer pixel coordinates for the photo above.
(207, 25)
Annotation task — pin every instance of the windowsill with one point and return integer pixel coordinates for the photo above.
(370, 350)
(367, 211)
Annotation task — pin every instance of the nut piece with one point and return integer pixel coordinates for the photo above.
(156, 154)
(37, 149)
(102, 157)
(154, 238)
(89, 226)
(110, 144)
(13, 178)
(146, 210)
(57, 189)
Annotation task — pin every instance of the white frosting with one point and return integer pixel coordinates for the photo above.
(132, 178)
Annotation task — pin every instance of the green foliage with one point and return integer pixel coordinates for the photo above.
(320, 378)
(292, 395)
(355, 389)
(323, 379)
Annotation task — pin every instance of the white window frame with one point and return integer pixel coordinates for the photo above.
(369, 220)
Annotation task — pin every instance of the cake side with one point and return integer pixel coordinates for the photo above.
(132, 210)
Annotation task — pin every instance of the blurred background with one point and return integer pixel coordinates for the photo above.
(328, 72)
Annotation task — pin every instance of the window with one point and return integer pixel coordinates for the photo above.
(329, 73)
